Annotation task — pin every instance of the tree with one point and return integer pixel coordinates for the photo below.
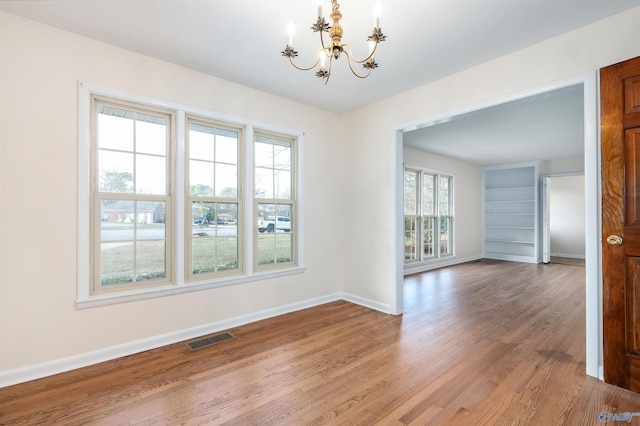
(112, 181)
(201, 189)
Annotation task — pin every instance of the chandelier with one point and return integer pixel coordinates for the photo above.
(335, 48)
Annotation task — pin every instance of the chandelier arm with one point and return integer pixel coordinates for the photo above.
(347, 49)
(302, 68)
(354, 71)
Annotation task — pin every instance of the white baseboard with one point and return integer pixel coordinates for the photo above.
(37, 371)
(569, 256)
(49, 368)
(435, 264)
(367, 303)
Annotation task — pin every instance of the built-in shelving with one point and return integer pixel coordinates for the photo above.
(510, 213)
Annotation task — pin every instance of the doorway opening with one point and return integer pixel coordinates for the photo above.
(588, 85)
(563, 219)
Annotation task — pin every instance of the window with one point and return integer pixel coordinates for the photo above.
(274, 196)
(428, 215)
(162, 192)
(214, 205)
(132, 195)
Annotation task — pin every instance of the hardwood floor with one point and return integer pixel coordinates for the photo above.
(567, 260)
(483, 343)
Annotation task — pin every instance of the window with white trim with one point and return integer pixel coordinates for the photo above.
(132, 194)
(162, 192)
(428, 215)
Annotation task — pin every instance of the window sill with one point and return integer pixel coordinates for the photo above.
(168, 290)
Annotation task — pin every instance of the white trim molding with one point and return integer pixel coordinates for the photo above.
(49, 368)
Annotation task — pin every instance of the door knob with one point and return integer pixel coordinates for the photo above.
(614, 240)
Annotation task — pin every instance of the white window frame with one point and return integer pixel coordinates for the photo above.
(291, 201)
(179, 284)
(240, 226)
(420, 257)
(99, 196)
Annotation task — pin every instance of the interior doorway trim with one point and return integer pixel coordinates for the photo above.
(545, 244)
(593, 271)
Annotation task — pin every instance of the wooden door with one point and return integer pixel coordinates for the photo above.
(620, 131)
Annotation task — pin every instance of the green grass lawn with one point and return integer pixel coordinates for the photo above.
(208, 255)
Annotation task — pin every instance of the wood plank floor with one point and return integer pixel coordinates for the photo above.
(483, 343)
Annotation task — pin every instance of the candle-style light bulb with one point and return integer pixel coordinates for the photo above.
(376, 13)
(290, 31)
(323, 57)
(319, 8)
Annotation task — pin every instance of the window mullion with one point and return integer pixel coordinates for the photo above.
(420, 212)
(180, 197)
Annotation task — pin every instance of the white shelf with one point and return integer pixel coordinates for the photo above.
(509, 188)
(493, 240)
(510, 227)
(510, 216)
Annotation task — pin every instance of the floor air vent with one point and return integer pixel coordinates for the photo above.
(210, 340)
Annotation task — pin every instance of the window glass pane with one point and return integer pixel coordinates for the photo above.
(283, 185)
(274, 248)
(228, 216)
(445, 235)
(444, 195)
(263, 154)
(410, 226)
(150, 220)
(275, 242)
(151, 134)
(151, 174)
(116, 220)
(115, 171)
(267, 249)
(201, 142)
(428, 195)
(214, 237)
(150, 260)
(115, 128)
(265, 211)
(410, 192)
(282, 157)
(264, 183)
(203, 215)
(284, 217)
(284, 248)
(116, 263)
(226, 180)
(427, 236)
(201, 178)
(227, 147)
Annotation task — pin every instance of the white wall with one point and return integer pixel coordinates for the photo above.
(574, 164)
(40, 70)
(567, 216)
(467, 201)
(41, 67)
(372, 270)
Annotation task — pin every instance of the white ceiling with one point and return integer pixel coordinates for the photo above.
(538, 128)
(241, 41)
